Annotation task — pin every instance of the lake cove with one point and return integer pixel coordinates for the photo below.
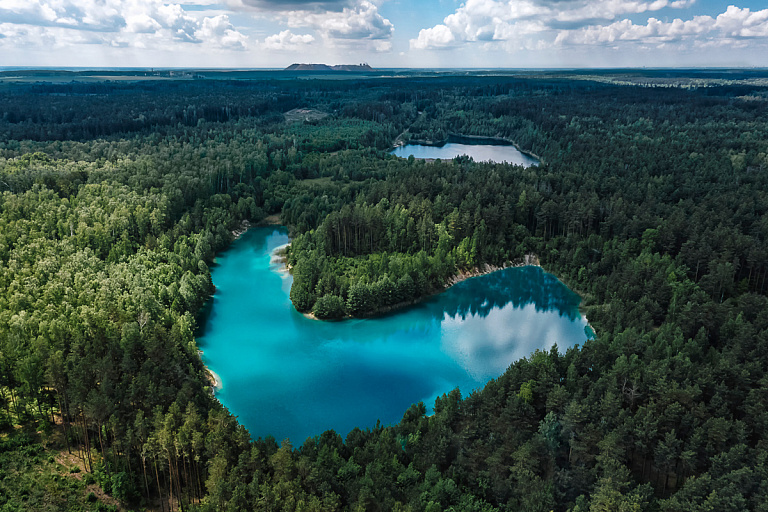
(480, 149)
(289, 376)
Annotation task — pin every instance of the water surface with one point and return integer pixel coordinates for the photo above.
(479, 152)
(288, 376)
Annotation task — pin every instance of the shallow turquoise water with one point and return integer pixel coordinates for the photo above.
(287, 376)
(479, 152)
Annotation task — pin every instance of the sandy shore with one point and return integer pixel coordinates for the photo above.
(214, 379)
(529, 259)
(271, 220)
(244, 226)
(278, 258)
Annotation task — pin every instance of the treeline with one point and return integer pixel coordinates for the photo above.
(372, 257)
(101, 288)
(690, 149)
(673, 272)
(651, 203)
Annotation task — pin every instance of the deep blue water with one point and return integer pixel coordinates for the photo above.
(479, 152)
(288, 376)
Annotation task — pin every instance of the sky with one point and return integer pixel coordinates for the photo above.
(384, 33)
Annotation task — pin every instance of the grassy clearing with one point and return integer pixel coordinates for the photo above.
(38, 473)
(304, 114)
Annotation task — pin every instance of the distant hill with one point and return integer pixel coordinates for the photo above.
(326, 67)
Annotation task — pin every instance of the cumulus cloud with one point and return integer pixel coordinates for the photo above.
(734, 24)
(86, 15)
(509, 24)
(338, 23)
(611, 9)
(742, 23)
(437, 37)
(504, 20)
(287, 41)
(141, 23)
(219, 30)
(624, 30)
(162, 25)
(290, 5)
(181, 25)
(121, 22)
(360, 24)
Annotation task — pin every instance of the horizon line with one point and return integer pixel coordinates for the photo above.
(482, 68)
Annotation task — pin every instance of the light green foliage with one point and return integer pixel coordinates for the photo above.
(651, 202)
(526, 391)
(33, 480)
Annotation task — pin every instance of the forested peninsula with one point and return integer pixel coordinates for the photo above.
(651, 202)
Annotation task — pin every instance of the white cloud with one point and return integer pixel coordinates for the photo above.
(439, 36)
(217, 30)
(489, 21)
(344, 24)
(736, 22)
(290, 5)
(287, 41)
(611, 9)
(361, 24)
(732, 25)
(624, 30)
(121, 23)
(141, 23)
(538, 24)
(364, 22)
(333, 29)
(86, 15)
(181, 25)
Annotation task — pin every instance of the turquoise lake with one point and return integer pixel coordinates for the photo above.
(288, 376)
(479, 152)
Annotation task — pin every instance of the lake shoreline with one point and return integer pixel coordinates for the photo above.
(279, 257)
(257, 341)
(214, 379)
(477, 138)
(241, 229)
(211, 377)
(245, 225)
(481, 270)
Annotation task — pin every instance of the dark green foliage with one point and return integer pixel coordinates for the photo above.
(651, 203)
(329, 307)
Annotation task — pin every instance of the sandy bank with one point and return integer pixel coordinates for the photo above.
(214, 379)
(529, 259)
(242, 228)
(279, 258)
(481, 270)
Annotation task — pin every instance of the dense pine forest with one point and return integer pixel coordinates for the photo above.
(651, 201)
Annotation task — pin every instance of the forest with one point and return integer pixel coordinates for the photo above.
(651, 202)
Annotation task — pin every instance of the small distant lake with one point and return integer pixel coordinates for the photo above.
(481, 150)
(288, 376)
